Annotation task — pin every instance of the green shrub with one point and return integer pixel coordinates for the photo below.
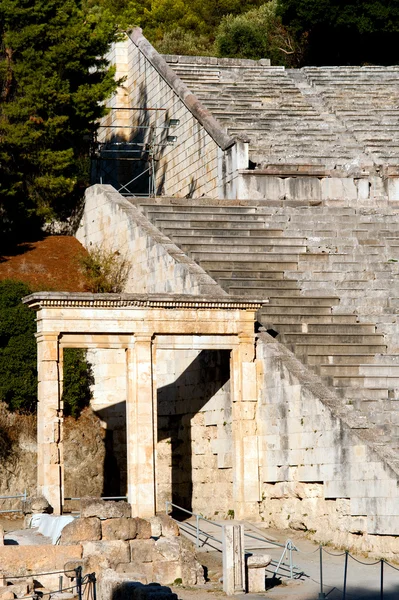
(255, 34)
(18, 359)
(78, 377)
(18, 362)
(105, 271)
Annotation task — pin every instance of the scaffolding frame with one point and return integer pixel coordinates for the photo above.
(104, 152)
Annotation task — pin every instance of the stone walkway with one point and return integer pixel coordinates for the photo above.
(363, 580)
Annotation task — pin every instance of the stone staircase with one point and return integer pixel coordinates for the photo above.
(333, 117)
(330, 284)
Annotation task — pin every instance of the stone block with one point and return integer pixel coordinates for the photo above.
(104, 509)
(137, 571)
(142, 550)
(169, 527)
(81, 530)
(156, 524)
(167, 571)
(167, 549)
(36, 505)
(27, 560)
(122, 528)
(143, 528)
(115, 551)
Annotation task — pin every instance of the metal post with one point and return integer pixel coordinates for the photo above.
(60, 583)
(345, 574)
(321, 594)
(197, 517)
(382, 580)
(291, 565)
(94, 580)
(78, 572)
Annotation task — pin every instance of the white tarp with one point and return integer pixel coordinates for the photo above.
(50, 525)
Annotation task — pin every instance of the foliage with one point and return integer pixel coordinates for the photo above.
(53, 82)
(163, 20)
(18, 370)
(78, 377)
(105, 271)
(338, 32)
(18, 359)
(256, 34)
(179, 41)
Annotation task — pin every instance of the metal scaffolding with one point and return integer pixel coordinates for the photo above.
(129, 162)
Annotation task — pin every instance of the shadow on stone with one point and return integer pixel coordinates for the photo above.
(134, 590)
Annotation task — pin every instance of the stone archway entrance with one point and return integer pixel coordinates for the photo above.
(139, 324)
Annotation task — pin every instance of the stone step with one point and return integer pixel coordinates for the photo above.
(288, 310)
(155, 209)
(209, 224)
(247, 265)
(327, 349)
(368, 371)
(332, 338)
(263, 292)
(178, 233)
(304, 301)
(244, 283)
(327, 329)
(238, 256)
(317, 360)
(366, 382)
(201, 250)
(282, 318)
(361, 394)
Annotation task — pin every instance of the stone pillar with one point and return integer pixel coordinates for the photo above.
(246, 486)
(233, 560)
(49, 422)
(140, 427)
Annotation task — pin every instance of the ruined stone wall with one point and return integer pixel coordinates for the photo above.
(318, 471)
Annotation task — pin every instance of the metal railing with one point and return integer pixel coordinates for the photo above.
(280, 565)
(11, 510)
(103, 498)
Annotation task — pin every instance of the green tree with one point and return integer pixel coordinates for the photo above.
(18, 358)
(338, 32)
(53, 81)
(78, 377)
(256, 34)
(18, 363)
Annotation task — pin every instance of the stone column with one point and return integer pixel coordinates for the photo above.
(49, 422)
(233, 559)
(246, 486)
(140, 427)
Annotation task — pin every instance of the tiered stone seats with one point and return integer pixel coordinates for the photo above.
(366, 100)
(314, 264)
(346, 113)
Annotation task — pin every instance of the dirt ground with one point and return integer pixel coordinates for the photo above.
(49, 264)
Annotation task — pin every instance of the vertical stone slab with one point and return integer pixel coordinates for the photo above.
(49, 421)
(140, 427)
(244, 429)
(233, 560)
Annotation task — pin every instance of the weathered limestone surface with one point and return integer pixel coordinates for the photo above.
(157, 264)
(104, 509)
(27, 560)
(319, 470)
(81, 530)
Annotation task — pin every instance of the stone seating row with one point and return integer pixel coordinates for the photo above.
(318, 324)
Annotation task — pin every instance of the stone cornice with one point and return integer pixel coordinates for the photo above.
(171, 301)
